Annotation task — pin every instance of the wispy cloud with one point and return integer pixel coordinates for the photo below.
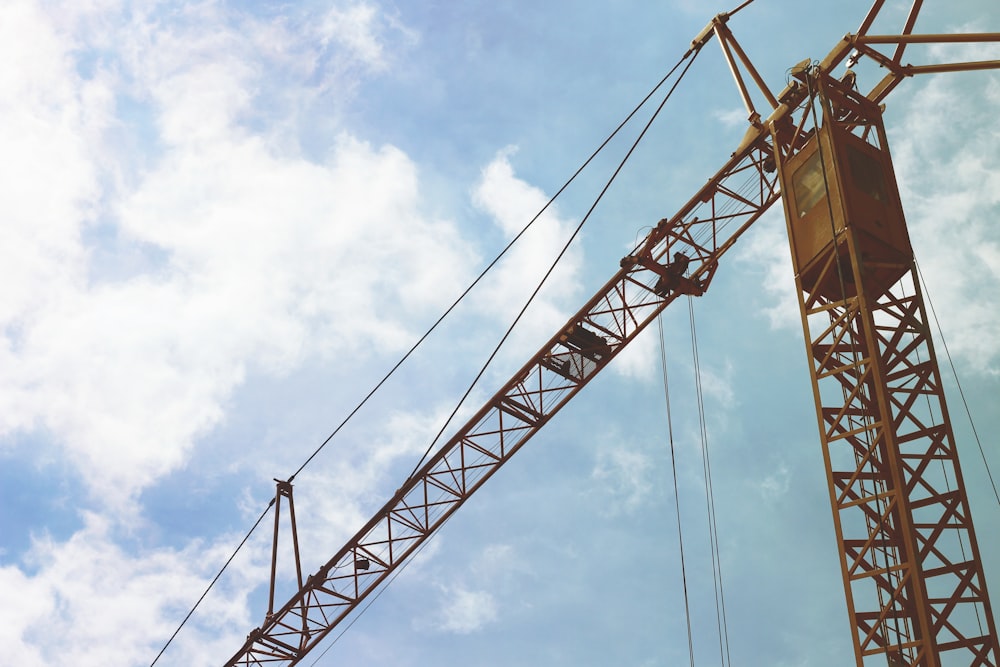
(464, 610)
(951, 207)
(624, 475)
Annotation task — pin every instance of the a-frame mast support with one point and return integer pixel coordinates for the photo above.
(283, 490)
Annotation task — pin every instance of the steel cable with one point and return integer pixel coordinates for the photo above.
(677, 501)
(214, 580)
(713, 529)
(958, 383)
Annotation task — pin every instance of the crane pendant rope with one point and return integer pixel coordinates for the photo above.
(958, 382)
(713, 529)
(673, 468)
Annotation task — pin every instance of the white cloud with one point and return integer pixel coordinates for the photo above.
(228, 253)
(732, 117)
(512, 203)
(498, 572)
(624, 474)
(47, 181)
(640, 360)
(775, 485)
(946, 159)
(90, 599)
(464, 611)
(468, 597)
(765, 251)
(357, 28)
(718, 384)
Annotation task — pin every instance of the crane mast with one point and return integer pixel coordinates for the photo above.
(914, 583)
(915, 587)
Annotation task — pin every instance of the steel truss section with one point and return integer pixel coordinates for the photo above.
(915, 587)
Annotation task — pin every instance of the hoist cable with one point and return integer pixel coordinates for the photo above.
(713, 529)
(958, 383)
(555, 263)
(677, 500)
(214, 580)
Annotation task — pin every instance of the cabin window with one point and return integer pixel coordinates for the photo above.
(808, 184)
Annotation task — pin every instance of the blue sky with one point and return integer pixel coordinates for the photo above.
(223, 222)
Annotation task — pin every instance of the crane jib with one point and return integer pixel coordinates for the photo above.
(702, 231)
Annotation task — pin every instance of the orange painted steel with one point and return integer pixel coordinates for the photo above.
(914, 583)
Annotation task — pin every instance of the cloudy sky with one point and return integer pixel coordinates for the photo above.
(222, 223)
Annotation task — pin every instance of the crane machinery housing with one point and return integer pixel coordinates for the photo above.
(913, 579)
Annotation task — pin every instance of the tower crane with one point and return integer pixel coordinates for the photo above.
(912, 574)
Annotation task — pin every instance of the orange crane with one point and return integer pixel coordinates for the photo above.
(914, 583)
